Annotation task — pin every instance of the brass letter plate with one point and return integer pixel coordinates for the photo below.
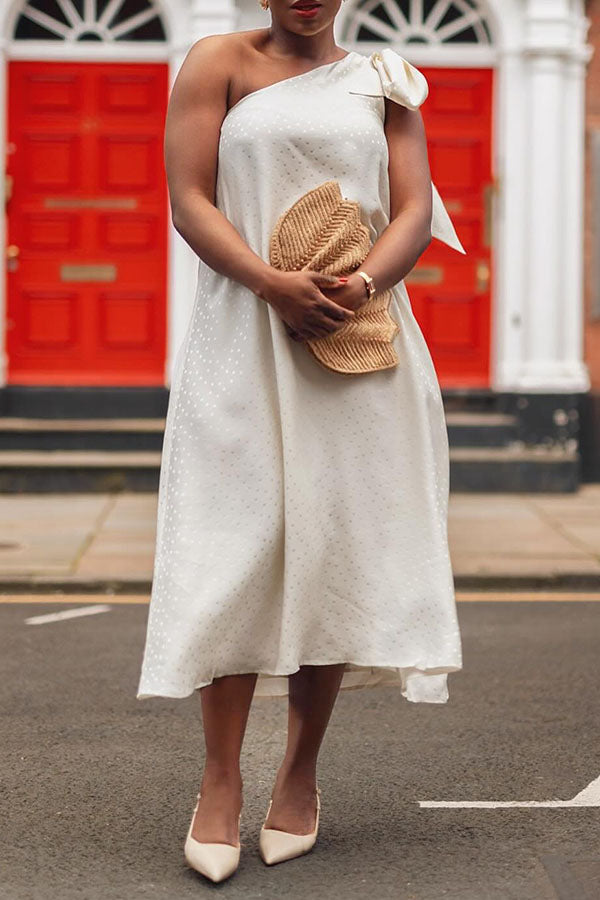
(90, 202)
(88, 272)
(425, 275)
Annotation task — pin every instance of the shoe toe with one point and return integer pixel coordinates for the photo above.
(276, 846)
(215, 861)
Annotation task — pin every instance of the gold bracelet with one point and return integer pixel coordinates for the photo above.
(370, 284)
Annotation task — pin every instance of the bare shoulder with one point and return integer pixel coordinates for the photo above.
(207, 56)
(203, 78)
(221, 54)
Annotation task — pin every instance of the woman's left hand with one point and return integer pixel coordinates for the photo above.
(352, 295)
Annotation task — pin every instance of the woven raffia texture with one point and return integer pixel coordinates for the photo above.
(323, 232)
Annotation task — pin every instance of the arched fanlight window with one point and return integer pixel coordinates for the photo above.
(90, 20)
(418, 22)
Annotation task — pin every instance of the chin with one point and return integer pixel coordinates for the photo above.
(305, 28)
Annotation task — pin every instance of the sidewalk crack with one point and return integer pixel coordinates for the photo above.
(558, 527)
(111, 502)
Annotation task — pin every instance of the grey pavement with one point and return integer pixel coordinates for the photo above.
(98, 787)
(106, 541)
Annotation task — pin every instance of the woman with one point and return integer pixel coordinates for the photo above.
(301, 541)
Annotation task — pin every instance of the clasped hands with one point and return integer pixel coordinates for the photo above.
(311, 304)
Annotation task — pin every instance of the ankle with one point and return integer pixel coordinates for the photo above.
(217, 776)
(297, 773)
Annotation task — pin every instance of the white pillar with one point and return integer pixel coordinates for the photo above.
(552, 302)
(212, 17)
(572, 338)
(510, 252)
(544, 233)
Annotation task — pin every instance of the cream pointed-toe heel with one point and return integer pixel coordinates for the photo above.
(276, 846)
(216, 861)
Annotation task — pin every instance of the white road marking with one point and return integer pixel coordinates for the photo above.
(68, 614)
(589, 796)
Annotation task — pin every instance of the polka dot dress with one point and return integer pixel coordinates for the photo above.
(302, 513)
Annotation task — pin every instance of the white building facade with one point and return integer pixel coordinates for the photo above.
(538, 53)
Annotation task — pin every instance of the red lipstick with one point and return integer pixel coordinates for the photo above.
(306, 8)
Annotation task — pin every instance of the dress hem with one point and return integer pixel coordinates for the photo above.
(432, 681)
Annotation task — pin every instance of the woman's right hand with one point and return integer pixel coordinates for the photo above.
(298, 300)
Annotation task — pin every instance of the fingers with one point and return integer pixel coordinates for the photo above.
(320, 314)
(326, 281)
(326, 316)
(293, 332)
(312, 328)
(324, 320)
(332, 309)
(327, 306)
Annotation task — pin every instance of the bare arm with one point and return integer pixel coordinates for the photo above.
(197, 107)
(408, 234)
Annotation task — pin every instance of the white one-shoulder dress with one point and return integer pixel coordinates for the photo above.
(302, 513)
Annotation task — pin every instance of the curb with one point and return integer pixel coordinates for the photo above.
(574, 581)
(553, 581)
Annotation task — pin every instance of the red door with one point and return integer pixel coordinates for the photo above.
(87, 224)
(450, 293)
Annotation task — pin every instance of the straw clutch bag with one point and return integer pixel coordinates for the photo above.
(323, 232)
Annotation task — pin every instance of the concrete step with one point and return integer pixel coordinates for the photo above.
(68, 471)
(18, 433)
(78, 402)
(513, 468)
(465, 429)
(481, 429)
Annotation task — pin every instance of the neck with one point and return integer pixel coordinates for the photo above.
(314, 47)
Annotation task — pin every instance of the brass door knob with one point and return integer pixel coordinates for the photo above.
(482, 276)
(12, 251)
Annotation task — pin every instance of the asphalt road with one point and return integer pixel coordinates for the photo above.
(98, 787)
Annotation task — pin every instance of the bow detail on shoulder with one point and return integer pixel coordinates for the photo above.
(404, 84)
(399, 80)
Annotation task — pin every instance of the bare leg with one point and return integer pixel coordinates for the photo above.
(225, 708)
(312, 694)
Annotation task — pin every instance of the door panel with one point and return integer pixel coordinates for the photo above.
(450, 293)
(87, 223)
